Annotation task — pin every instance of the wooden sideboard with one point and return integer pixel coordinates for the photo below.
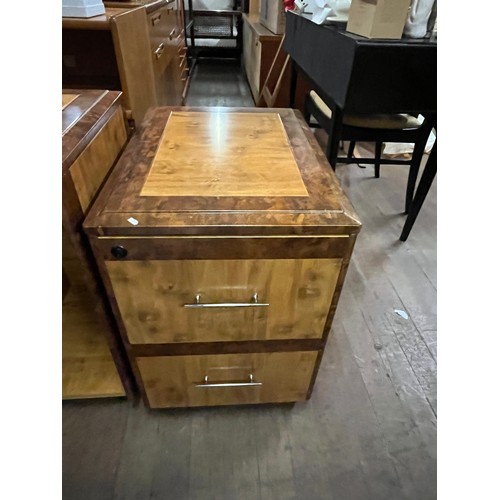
(223, 239)
(94, 134)
(259, 50)
(135, 47)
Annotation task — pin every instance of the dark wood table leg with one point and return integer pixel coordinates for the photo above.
(423, 188)
(334, 135)
(293, 84)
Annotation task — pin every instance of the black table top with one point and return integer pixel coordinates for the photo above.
(361, 75)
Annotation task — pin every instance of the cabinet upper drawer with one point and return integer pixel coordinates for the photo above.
(163, 31)
(225, 379)
(164, 301)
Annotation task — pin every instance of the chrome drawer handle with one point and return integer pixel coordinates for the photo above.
(250, 383)
(254, 303)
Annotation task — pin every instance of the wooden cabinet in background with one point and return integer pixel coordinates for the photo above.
(259, 50)
(225, 281)
(166, 31)
(94, 134)
(135, 47)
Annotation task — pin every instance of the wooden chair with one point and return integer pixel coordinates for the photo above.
(373, 128)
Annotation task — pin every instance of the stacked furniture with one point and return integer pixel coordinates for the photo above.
(136, 48)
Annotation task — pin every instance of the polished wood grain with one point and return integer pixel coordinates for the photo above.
(83, 118)
(201, 154)
(325, 210)
(151, 295)
(88, 369)
(93, 355)
(171, 381)
(67, 98)
(90, 168)
(158, 248)
(131, 40)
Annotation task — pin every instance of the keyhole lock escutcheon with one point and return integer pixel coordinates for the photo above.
(119, 252)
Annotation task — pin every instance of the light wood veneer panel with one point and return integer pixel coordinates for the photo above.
(91, 167)
(68, 98)
(88, 369)
(151, 295)
(224, 154)
(170, 381)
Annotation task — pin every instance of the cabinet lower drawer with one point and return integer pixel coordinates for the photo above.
(226, 379)
(164, 301)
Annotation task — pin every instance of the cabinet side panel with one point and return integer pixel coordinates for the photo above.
(91, 167)
(134, 58)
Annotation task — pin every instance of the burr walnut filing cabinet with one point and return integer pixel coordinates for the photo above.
(223, 239)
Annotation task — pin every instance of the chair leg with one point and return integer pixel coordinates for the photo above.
(307, 114)
(422, 190)
(352, 145)
(334, 136)
(416, 160)
(378, 155)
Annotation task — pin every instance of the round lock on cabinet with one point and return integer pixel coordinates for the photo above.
(119, 252)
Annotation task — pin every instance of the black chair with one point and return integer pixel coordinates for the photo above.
(373, 128)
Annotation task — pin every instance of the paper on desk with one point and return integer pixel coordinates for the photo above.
(329, 10)
(321, 10)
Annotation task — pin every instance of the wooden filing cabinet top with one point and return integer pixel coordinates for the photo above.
(222, 171)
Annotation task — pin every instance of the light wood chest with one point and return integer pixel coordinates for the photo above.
(223, 239)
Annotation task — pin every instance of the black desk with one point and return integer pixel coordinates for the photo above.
(353, 74)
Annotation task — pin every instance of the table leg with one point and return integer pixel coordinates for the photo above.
(293, 84)
(422, 190)
(334, 136)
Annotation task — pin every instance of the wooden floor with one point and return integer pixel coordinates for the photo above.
(369, 430)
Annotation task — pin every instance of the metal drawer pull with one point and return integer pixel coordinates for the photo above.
(254, 303)
(250, 383)
(159, 50)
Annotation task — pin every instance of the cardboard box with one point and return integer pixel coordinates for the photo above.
(378, 18)
(272, 15)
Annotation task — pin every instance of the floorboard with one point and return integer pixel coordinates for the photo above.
(369, 430)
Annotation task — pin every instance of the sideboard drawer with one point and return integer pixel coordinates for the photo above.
(163, 301)
(225, 379)
(163, 30)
